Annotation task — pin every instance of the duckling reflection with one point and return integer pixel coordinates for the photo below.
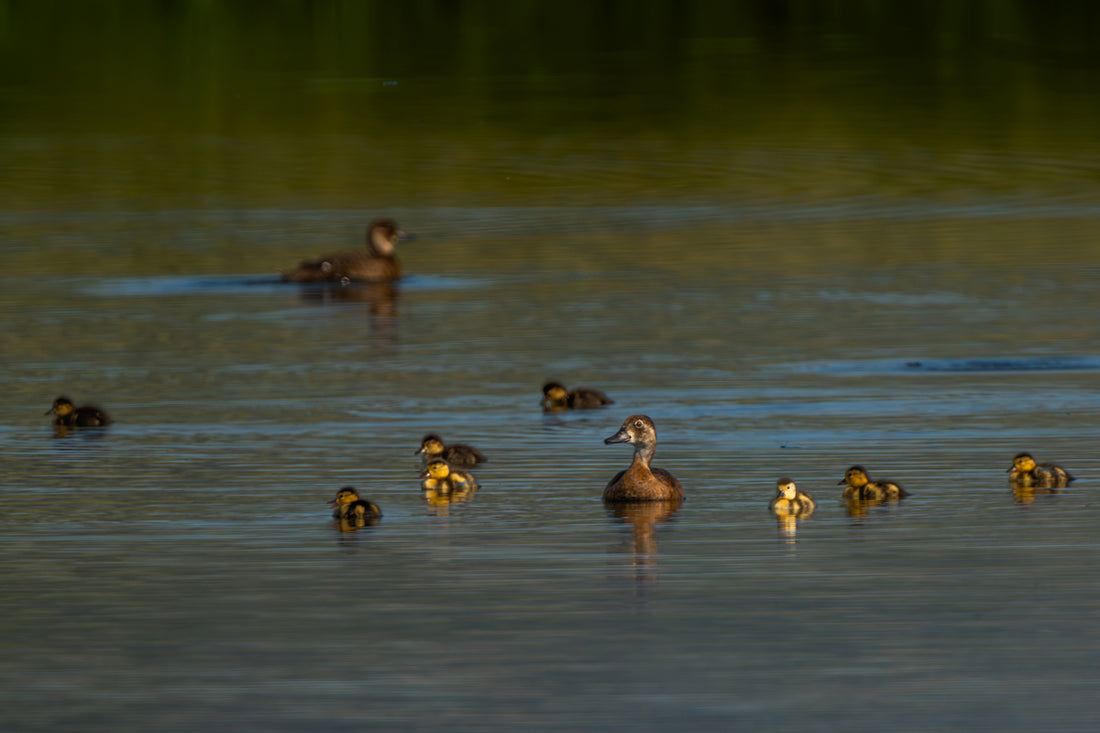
(68, 415)
(378, 263)
(555, 397)
(443, 485)
(640, 482)
(457, 454)
(352, 511)
(1025, 473)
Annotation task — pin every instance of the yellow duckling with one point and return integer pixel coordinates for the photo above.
(789, 501)
(350, 506)
(556, 397)
(441, 478)
(640, 482)
(1026, 473)
(67, 415)
(860, 487)
(457, 454)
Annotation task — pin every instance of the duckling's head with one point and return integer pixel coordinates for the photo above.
(431, 445)
(62, 407)
(437, 469)
(1022, 463)
(638, 430)
(786, 489)
(345, 496)
(855, 477)
(382, 237)
(554, 391)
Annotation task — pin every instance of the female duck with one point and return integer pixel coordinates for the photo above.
(556, 397)
(639, 482)
(440, 477)
(67, 415)
(1026, 473)
(376, 264)
(463, 456)
(860, 487)
(789, 501)
(348, 505)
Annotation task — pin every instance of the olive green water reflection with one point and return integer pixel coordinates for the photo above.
(799, 237)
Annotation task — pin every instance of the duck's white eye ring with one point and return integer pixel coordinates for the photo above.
(638, 424)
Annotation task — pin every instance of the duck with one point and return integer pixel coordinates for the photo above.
(440, 477)
(640, 482)
(556, 397)
(377, 264)
(861, 487)
(350, 506)
(789, 501)
(1026, 473)
(458, 454)
(68, 415)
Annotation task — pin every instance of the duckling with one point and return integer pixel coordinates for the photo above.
(67, 415)
(440, 477)
(377, 264)
(639, 482)
(463, 456)
(555, 397)
(861, 487)
(349, 505)
(1026, 473)
(789, 501)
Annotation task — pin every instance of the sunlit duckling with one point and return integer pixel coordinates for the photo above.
(789, 501)
(1026, 473)
(639, 482)
(349, 505)
(377, 263)
(860, 487)
(556, 397)
(440, 477)
(66, 414)
(458, 454)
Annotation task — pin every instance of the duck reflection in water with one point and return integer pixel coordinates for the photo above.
(444, 485)
(353, 512)
(788, 506)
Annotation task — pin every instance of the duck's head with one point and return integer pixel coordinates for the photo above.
(638, 430)
(786, 489)
(1022, 463)
(383, 236)
(855, 477)
(437, 469)
(431, 445)
(554, 391)
(62, 407)
(345, 496)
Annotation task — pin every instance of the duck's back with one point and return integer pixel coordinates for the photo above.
(465, 456)
(584, 398)
(357, 266)
(638, 484)
(89, 417)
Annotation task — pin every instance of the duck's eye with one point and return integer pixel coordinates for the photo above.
(638, 423)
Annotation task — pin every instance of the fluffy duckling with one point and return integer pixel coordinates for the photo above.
(440, 477)
(639, 482)
(1026, 473)
(66, 414)
(377, 263)
(789, 501)
(349, 505)
(861, 487)
(556, 397)
(458, 454)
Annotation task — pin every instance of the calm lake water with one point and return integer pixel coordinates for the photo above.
(788, 283)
